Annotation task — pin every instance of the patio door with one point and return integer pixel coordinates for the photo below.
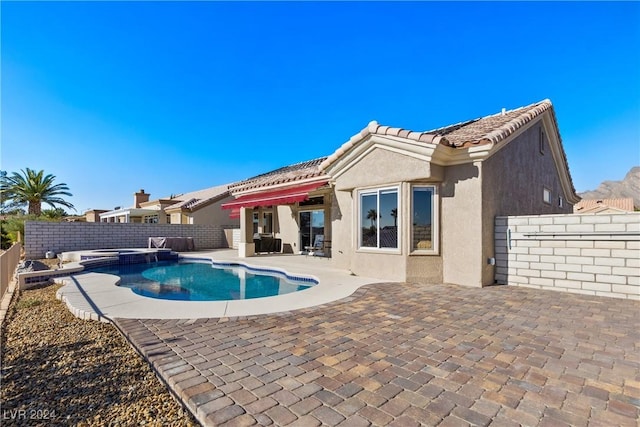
(311, 225)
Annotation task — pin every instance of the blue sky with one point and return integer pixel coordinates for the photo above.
(171, 97)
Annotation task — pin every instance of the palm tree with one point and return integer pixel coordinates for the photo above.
(55, 214)
(394, 214)
(373, 216)
(33, 188)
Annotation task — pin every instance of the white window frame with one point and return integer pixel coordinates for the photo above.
(150, 219)
(546, 195)
(435, 221)
(377, 191)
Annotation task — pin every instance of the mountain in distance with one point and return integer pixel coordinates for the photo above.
(628, 187)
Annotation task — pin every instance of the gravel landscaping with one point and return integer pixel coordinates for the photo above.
(60, 370)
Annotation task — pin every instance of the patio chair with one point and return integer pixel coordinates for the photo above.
(318, 244)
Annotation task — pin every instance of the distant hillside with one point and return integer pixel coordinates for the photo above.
(628, 187)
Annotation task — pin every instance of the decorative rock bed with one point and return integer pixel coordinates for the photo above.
(59, 370)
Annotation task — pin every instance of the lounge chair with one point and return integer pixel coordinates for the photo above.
(318, 244)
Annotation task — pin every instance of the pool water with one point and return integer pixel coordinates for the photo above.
(199, 281)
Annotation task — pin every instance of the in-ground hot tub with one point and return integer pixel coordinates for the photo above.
(79, 259)
(124, 255)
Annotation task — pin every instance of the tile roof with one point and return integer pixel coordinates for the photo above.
(484, 130)
(296, 172)
(593, 205)
(490, 129)
(195, 199)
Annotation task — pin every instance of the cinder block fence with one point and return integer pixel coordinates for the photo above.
(595, 254)
(41, 237)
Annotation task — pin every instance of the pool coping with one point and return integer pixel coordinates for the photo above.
(76, 261)
(96, 296)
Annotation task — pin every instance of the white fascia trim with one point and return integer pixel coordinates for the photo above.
(130, 212)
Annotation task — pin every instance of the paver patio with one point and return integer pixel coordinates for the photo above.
(408, 355)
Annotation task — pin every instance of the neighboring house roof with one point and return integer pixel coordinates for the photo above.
(187, 201)
(196, 199)
(303, 171)
(599, 205)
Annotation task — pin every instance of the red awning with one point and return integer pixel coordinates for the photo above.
(274, 197)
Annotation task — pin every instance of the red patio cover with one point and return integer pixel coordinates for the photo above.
(274, 197)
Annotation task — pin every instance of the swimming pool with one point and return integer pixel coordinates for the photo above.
(203, 281)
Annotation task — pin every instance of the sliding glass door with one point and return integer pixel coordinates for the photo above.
(311, 225)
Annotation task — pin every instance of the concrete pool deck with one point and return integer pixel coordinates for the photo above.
(96, 295)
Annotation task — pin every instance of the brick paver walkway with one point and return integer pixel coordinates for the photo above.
(409, 355)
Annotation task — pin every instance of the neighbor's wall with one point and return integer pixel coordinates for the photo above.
(595, 254)
(41, 237)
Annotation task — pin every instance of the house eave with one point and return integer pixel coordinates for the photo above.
(432, 153)
(199, 205)
(129, 211)
(283, 185)
(449, 156)
(552, 132)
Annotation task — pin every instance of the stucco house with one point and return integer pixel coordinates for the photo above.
(413, 206)
(196, 207)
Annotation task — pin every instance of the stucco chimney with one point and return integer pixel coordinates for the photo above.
(140, 197)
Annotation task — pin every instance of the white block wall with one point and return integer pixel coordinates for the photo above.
(41, 237)
(236, 238)
(595, 254)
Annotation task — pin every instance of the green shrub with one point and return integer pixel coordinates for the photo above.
(13, 226)
(5, 240)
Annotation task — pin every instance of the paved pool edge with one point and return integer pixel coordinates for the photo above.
(96, 296)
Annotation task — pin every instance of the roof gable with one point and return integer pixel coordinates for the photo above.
(459, 143)
(484, 130)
